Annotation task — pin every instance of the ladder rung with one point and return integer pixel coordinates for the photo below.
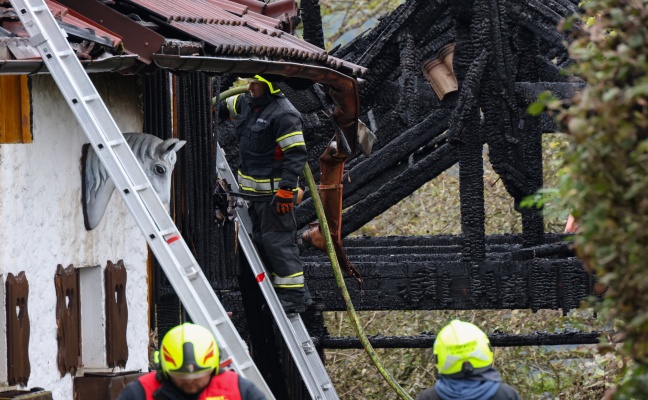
(116, 142)
(37, 40)
(308, 347)
(168, 231)
(191, 272)
(141, 187)
(219, 321)
(38, 9)
(90, 98)
(65, 53)
(245, 366)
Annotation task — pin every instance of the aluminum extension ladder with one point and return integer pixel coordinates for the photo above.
(162, 235)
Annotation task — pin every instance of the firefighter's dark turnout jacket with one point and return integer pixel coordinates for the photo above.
(272, 156)
(271, 143)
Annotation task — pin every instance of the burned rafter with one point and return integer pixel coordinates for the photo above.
(398, 188)
(409, 65)
(312, 18)
(492, 25)
(527, 20)
(539, 9)
(372, 169)
(468, 97)
(382, 34)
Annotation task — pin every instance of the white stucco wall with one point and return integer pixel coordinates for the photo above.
(42, 226)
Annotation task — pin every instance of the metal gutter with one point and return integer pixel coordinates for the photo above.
(344, 89)
(28, 67)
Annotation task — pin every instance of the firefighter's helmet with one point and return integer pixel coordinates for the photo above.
(462, 347)
(189, 351)
(271, 88)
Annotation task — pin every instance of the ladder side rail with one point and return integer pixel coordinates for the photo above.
(188, 289)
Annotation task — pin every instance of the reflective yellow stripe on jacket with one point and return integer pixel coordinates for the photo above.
(262, 186)
(231, 106)
(288, 282)
(291, 140)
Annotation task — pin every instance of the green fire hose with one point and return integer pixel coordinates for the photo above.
(228, 93)
(339, 279)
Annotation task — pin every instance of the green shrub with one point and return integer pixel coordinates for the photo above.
(605, 178)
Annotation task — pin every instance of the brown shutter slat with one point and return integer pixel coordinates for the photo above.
(68, 319)
(17, 329)
(25, 110)
(116, 314)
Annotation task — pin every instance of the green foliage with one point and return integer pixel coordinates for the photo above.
(546, 100)
(605, 179)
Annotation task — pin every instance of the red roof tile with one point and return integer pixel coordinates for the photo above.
(240, 31)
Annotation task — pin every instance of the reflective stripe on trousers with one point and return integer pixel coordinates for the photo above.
(288, 282)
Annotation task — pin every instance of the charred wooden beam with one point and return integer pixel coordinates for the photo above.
(312, 17)
(426, 273)
(392, 192)
(426, 341)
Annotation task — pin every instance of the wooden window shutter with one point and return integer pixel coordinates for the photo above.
(15, 118)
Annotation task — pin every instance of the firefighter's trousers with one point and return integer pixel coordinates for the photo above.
(275, 238)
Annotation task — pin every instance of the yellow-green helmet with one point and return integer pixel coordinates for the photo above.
(189, 351)
(462, 347)
(271, 87)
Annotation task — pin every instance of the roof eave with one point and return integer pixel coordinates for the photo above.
(344, 88)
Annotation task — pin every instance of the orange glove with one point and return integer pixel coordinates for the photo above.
(284, 201)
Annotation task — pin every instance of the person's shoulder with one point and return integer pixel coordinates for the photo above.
(506, 392)
(286, 106)
(249, 391)
(428, 394)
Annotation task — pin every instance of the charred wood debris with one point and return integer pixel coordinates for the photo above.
(505, 53)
